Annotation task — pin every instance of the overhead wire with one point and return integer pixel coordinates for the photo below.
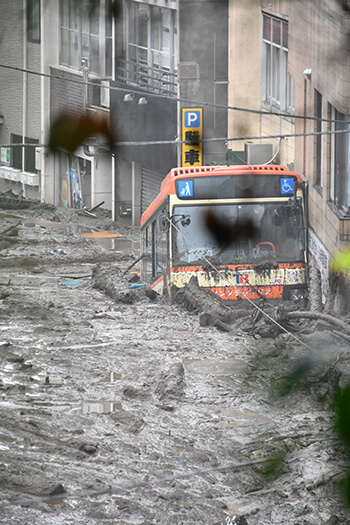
(128, 488)
(176, 141)
(131, 89)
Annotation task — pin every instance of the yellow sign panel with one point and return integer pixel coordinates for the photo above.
(192, 134)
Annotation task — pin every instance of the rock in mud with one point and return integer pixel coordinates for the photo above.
(171, 384)
(131, 422)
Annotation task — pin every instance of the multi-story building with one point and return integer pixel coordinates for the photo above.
(57, 58)
(148, 61)
(20, 115)
(292, 79)
(261, 89)
(319, 63)
(171, 55)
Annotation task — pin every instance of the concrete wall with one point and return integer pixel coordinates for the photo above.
(245, 57)
(203, 62)
(155, 121)
(49, 57)
(318, 40)
(244, 70)
(20, 92)
(11, 82)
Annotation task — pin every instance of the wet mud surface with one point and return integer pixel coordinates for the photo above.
(131, 407)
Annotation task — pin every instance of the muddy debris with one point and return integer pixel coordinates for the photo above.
(136, 411)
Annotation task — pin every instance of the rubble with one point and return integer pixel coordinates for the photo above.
(142, 410)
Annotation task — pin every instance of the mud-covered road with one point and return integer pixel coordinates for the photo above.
(132, 409)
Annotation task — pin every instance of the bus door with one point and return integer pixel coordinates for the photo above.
(155, 246)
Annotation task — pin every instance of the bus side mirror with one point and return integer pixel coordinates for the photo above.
(186, 221)
(163, 223)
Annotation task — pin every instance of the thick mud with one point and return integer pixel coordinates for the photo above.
(118, 407)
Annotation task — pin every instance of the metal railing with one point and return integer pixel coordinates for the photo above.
(153, 79)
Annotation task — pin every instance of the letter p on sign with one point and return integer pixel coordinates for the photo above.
(192, 119)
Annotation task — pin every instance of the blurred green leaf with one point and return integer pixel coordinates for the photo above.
(341, 262)
(342, 410)
(284, 385)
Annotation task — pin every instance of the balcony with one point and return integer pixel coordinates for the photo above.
(152, 79)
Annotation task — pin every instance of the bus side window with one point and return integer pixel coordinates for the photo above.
(146, 250)
(154, 249)
(160, 246)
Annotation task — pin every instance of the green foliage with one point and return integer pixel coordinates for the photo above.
(342, 410)
(341, 262)
(273, 469)
(284, 385)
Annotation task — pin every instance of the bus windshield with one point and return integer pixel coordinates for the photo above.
(277, 233)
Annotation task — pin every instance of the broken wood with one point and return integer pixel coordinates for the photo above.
(283, 316)
(10, 228)
(196, 299)
(315, 295)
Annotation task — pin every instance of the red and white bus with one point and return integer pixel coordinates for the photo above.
(263, 209)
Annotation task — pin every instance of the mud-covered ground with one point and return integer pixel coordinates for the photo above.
(132, 408)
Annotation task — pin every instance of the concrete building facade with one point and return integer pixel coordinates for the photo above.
(319, 63)
(171, 56)
(20, 116)
(261, 89)
(58, 57)
(293, 73)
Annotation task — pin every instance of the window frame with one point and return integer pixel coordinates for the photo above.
(277, 85)
(33, 21)
(149, 47)
(318, 111)
(29, 153)
(339, 156)
(82, 27)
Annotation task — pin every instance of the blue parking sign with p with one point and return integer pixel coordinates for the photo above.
(192, 119)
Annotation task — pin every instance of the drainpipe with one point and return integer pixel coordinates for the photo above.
(307, 76)
(304, 129)
(25, 84)
(44, 111)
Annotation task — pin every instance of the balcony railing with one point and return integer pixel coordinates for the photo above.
(152, 79)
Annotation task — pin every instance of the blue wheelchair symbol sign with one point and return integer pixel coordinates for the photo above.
(287, 186)
(185, 188)
(192, 119)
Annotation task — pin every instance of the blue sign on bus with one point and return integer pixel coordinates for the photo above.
(185, 188)
(287, 186)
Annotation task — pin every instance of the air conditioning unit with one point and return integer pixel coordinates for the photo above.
(105, 94)
(257, 153)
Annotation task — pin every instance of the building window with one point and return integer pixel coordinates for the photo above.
(339, 155)
(86, 32)
(33, 21)
(318, 139)
(29, 154)
(151, 47)
(277, 84)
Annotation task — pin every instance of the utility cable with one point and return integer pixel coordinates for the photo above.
(129, 89)
(233, 139)
(128, 488)
(275, 155)
(176, 141)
